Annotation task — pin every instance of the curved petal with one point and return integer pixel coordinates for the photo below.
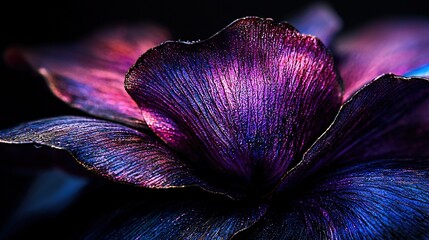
(112, 150)
(385, 119)
(90, 75)
(392, 46)
(386, 199)
(318, 19)
(170, 217)
(250, 98)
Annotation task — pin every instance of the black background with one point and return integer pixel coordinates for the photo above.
(24, 95)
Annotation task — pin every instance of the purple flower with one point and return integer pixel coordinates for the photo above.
(282, 136)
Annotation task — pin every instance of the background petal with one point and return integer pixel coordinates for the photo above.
(112, 150)
(49, 195)
(250, 98)
(90, 74)
(168, 216)
(386, 119)
(318, 19)
(385, 199)
(391, 46)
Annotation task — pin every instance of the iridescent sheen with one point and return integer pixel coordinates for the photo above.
(112, 150)
(90, 75)
(255, 113)
(383, 199)
(375, 123)
(237, 102)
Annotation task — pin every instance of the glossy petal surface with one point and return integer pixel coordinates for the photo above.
(319, 20)
(385, 199)
(251, 98)
(386, 119)
(392, 46)
(190, 217)
(90, 75)
(112, 150)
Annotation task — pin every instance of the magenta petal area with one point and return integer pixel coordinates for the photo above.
(395, 46)
(90, 75)
(112, 150)
(165, 215)
(385, 119)
(383, 199)
(245, 103)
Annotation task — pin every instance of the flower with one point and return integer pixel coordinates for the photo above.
(283, 137)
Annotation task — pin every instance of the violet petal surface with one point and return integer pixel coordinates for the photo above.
(252, 98)
(112, 150)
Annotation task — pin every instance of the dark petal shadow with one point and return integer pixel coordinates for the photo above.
(166, 215)
(51, 192)
(384, 199)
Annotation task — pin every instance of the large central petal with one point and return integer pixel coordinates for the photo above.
(246, 102)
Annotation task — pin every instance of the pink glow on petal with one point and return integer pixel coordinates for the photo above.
(391, 46)
(244, 103)
(90, 75)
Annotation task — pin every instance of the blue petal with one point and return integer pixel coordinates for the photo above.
(385, 119)
(319, 20)
(170, 216)
(385, 199)
(115, 151)
(422, 71)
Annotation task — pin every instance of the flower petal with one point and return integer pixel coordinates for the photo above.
(419, 72)
(392, 46)
(250, 98)
(51, 192)
(172, 217)
(112, 150)
(387, 199)
(90, 75)
(319, 20)
(386, 119)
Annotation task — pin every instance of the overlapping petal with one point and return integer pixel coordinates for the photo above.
(90, 75)
(191, 217)
(384, 199)
(112, 150)
(251, 98)
(391, 46)
(386, 119)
